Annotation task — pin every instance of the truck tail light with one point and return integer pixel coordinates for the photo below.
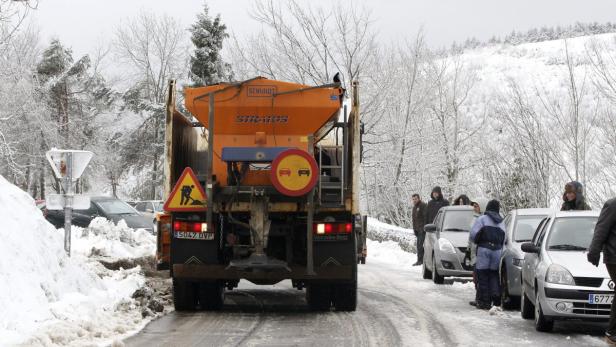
(333, 228)
(196, 227)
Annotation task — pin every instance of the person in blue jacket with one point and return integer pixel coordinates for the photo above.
(488, 233)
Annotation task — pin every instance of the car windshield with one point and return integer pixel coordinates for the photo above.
(116, 207)
(525, 227)
(159, 206)
(458, 220)
(571, 233)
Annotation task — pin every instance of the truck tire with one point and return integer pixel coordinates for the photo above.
(184, 295)
(319, 297)
(211, 296)
(345, 296)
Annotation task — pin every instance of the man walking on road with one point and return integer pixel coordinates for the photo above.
(419, 221)
(488, 232)
(604, 240)
(435, 204)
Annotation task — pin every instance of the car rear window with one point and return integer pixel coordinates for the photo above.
(571, 233)
(458, 220)
(525, 227)
(116, 207)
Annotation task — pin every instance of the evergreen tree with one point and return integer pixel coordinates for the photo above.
(206, 65)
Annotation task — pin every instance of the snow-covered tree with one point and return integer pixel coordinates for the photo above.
(207, 36)
(153, 51)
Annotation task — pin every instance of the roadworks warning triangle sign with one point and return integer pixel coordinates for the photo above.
(187, 195)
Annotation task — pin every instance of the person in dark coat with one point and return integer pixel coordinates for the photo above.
(419, 221)
(435, 204)
(462, 200)
(573, 197)
(488, 232)
(604, 239)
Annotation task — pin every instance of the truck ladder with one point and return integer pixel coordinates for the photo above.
(331, 194)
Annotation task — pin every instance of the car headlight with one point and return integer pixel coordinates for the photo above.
(559, 275)
(517, 262)
(445, 246)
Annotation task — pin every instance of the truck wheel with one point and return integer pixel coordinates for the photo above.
(319, 297)
(211, 296)
(436, 278)
(345, 296)
(184, 295)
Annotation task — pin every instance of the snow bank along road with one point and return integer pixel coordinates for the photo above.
(395, 308)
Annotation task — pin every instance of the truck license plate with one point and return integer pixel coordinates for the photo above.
(600, 299)
(193, 236)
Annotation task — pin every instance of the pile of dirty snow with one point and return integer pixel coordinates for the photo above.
(47, 298)
(106, 239)
(380, 231)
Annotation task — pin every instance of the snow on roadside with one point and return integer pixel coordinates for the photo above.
(49, 299)
(380, 231)
(103, 238)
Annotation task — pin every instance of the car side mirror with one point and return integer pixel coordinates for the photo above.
(530, 247)
(430, 228)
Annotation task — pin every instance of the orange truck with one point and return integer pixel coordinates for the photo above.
(262, 184)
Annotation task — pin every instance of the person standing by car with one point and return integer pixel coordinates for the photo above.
(462, 200)
(488, 232)
(604, 239)
(435, 204)
(471, 252)
(419, 221)
(573, 197)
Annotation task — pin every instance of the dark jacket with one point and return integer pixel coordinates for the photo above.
(604, 238)
(419, 216)
(435, 204)
(580, 201)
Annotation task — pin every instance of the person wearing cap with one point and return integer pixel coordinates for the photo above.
(434, 205)
(488, 233)
(573, 197)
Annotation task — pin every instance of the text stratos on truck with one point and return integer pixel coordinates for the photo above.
(264, 187)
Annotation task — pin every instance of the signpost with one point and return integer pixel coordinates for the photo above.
(68, 166)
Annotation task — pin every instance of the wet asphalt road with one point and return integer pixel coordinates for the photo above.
(395, 308)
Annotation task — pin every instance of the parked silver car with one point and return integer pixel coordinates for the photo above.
(521, 225)
(558, 282)
(446, 242)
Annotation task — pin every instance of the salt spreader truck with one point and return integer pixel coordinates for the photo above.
(262, 185)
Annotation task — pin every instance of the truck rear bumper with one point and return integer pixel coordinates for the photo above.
(220, 272)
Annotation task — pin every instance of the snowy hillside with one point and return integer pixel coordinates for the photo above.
(49, 299)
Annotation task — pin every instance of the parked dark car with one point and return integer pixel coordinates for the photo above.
(111, 208)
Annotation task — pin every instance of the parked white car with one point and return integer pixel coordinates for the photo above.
(558, 283)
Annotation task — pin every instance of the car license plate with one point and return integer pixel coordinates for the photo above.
(600, 299)
(193, 235)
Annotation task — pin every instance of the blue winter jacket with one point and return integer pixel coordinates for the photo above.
(488, 232)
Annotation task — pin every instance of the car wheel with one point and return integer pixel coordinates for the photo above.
(542, 323)
(436, 278)
(427, 274)
(527, 308)
(509, 302)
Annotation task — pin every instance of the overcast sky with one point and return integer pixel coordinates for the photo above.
(84, 24)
